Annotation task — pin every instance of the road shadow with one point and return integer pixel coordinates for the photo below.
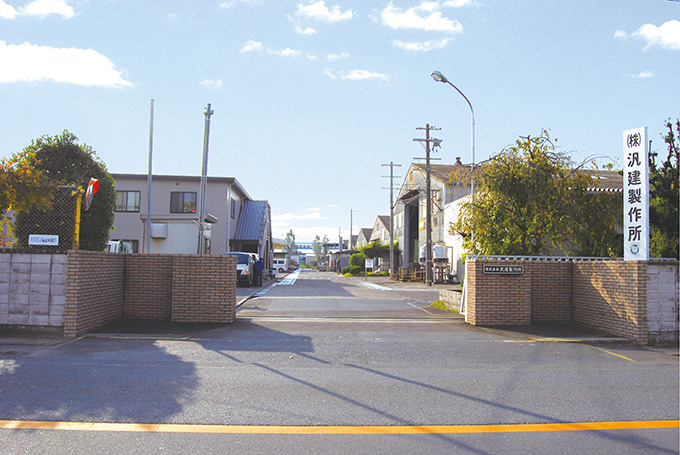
(94, 379)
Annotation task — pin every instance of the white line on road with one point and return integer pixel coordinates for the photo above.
(290, 279)
(375, 286)
(422, 309)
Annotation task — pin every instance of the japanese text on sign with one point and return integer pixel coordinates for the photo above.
(636, 195)
(503, 270)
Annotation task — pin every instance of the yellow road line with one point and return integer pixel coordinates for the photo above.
(337, 430)
(613, 353)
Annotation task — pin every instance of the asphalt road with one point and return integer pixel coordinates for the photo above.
(328, 364)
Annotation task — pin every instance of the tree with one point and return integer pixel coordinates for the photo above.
(63, 162)
(22, 188)
(317, 247)
(664, 190)
(377, 250)
(290, 243)
(358, 260)
(532, 200)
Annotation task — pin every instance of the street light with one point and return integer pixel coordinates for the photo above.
(439, 77)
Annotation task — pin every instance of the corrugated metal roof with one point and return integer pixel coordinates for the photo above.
(252, 221)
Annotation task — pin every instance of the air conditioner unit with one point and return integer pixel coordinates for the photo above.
(159, 230)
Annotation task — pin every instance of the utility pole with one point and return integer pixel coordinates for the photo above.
(351, 244)
(391, 177)
(204, 181)
(339, 259)
(428, 199)
(147, 224)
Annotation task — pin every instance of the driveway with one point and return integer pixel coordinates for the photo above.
(327, 364)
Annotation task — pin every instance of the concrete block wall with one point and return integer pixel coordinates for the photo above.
(452, 299)
(662, 302)
(32, 289)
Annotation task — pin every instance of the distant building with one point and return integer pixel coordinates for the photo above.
(381, 230)
(364, 237)
(410, 209)
(234, 222)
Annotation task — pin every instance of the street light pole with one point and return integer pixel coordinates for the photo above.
(439, 77)
(204, 180)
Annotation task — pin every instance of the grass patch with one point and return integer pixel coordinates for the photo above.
(442, 306)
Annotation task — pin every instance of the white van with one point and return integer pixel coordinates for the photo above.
(245, 267)
(118, 246)
(280, 265)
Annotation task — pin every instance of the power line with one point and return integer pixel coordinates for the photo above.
(428, 216)
(391, 177)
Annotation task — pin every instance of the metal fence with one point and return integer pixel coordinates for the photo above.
(557, 258)
(51, 228)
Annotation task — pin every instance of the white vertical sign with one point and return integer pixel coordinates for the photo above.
(635, 195)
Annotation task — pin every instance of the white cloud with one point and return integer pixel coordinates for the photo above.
(644, 75)
(320, 12)
(422, 17)
(287, 52)
(252, 46)
(31, 63)
(359, 75)
(422, 46)
(620, 34)
(460, 3)
(231, 3)
(7, 11)
(47, 7)
(212, 84)
(37, 8)
(305, 31)
(336, 57)
(667, 35)
(329, 73)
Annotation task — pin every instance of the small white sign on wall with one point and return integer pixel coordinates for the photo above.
(44, 240)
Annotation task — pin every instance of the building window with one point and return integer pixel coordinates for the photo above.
(233, 207)
(182, 202)
(127, 201)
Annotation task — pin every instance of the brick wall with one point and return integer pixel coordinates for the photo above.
(32, 289)
(148, 287)
(498, 299)
(612, 296)
(204, 289)
(104, 287)
(551, 287)
(94, 290)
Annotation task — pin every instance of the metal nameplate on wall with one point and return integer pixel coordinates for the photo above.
(503, 270)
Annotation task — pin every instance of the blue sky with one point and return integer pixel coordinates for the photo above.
(311, 97)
